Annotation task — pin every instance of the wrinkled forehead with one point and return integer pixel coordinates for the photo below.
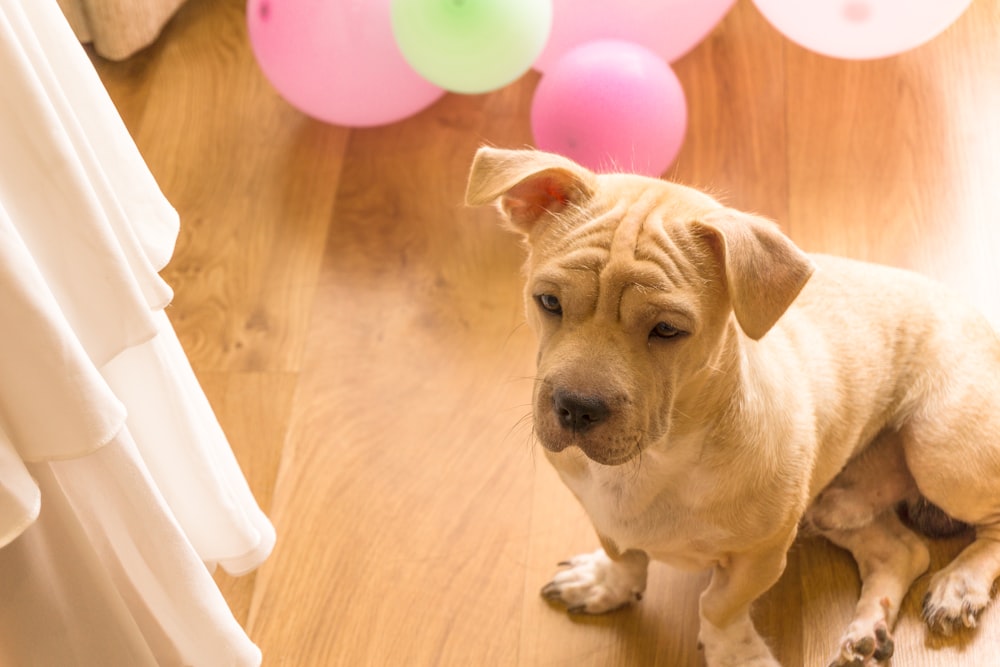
(635, 232)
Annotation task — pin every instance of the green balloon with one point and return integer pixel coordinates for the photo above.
(471, 46)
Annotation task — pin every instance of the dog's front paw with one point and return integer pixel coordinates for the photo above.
(593, 583)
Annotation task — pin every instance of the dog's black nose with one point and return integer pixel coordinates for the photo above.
(578, 412)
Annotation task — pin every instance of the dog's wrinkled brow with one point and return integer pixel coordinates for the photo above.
(644, 275)
(675, 264)
(590, 259)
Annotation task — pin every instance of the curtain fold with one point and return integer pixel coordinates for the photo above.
(118, 488)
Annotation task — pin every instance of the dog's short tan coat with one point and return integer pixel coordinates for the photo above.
(705, 389)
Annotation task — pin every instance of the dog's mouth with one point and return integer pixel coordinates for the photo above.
(586, 421)
(594, 449)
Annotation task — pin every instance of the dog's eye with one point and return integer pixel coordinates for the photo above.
(664, 330)
(549, 303)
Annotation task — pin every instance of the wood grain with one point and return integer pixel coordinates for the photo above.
(253, 180)
(360, 334)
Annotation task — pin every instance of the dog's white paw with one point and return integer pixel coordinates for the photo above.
(738, 645)
(864, 643)
(593, 583)
(955, 599)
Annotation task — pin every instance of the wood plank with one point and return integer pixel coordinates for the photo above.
(253, 180)
(736, 146)
(894, 160)
(404, 477)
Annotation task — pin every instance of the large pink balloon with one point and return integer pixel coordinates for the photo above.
(611, 105)
(670, 28)
(337, 60)
(861, 29)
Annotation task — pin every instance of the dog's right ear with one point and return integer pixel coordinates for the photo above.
(530, 185)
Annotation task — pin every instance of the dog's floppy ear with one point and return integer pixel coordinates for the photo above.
(529, 184)
(764, 270)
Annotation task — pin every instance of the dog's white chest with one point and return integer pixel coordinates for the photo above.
(653, 509)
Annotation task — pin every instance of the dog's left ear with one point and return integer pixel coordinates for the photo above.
(764, 270)
(530, 185)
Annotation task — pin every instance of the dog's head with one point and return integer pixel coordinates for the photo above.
(639, 290)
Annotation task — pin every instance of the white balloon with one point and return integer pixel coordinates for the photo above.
(861, 29)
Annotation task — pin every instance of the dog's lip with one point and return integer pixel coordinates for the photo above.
(615, 457)
(612, 461)
(554, 447)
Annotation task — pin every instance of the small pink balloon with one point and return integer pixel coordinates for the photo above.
(670, 28)
(611, 106)
(861, 29)
(337, 60)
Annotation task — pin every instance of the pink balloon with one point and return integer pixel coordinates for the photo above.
(336, 60)
(861, 29)
(670, 28)
(611, 105)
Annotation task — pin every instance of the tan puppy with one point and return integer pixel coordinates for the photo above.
(704, 387)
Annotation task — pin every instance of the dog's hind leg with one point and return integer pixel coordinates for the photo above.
(890, 557)
(875, 480)
(960, 592)
(857, 511)
(954, 455)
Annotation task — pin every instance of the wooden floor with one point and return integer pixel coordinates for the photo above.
(360, 333)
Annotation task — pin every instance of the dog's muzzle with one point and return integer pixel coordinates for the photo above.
(589, 420)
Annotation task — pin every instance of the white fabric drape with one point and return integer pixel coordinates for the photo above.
(117, 485)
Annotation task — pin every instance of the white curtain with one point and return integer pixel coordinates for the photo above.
(118, 489)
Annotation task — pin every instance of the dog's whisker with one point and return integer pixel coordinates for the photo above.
(517, 327)
(524, 420)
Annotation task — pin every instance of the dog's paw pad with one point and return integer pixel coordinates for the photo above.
(955, 601)
(594, 584)
(861, 646)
